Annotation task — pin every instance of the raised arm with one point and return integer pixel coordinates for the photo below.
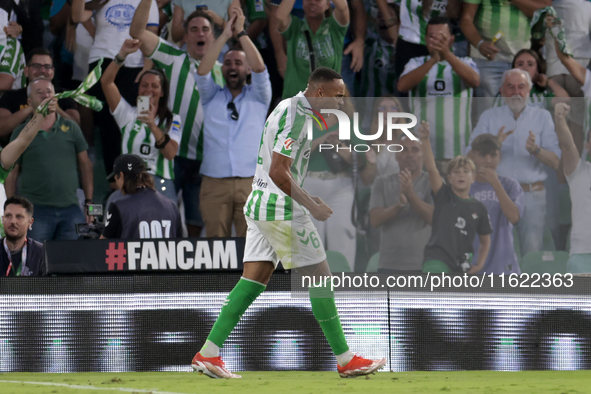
(359, 27)
(79, 14)
(434, 177)
(110, 90)
(411, 79)
(467, 74)
(211, 56)
(341, 12)
(570, 153)
(283, 15)
(254, 58)
(575, 69)
(138, 28)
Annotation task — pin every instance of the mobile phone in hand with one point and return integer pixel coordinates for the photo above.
(143, 104)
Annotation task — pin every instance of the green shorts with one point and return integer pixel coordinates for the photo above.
(436, 267)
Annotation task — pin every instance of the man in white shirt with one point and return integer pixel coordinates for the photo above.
(522, 127)
(233, 124)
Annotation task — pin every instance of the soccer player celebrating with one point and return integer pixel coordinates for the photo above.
(277, 214)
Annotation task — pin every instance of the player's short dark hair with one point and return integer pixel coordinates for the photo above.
(440, 20)
(324, 74)
(486, 144)
(197, 14)
(22, 201)
(132, 183)
(37, 52)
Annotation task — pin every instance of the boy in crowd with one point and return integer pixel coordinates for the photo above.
(504, 200)
(457, 217)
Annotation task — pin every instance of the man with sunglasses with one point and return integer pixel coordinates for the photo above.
(14, 109)
(234, 118)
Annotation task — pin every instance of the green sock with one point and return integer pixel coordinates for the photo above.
(325, 312)
(238, 301)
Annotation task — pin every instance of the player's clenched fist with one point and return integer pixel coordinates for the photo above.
(322, 211)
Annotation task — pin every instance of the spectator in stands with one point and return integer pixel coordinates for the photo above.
(414, 18)
(141, 212)
(25, 22)
(386, 161)
(49, 170)
(21, 255)
(503, 198)
(154, 135)
(14, 107)
(354, 43)
(401, 206)
(217, 11)
(497, 31)
(377, 75)
(234, 119)
(180, 68)
(112, 21)
(545, 93)
(457, 217)
(447, 81)
(577, 171)
(577, 30)
(315, 41)
(522, 158)
(12, 65)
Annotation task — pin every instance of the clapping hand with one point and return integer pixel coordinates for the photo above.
(530, 145)
(502, 136)
(406, 186)
(238, 26)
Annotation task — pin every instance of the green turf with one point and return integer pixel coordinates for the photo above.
(555, 382)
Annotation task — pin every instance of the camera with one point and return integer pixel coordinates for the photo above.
(91, 230)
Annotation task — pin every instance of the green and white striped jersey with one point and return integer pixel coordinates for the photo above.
(377, 75)
(413, 24)
(13, 62)
(285, 132)
(180, 69)
(445, 101)
(541, 98)
(137, 138)
(495, 16)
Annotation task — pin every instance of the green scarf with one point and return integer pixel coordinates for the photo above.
(538, 28)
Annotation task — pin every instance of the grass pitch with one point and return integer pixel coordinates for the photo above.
(556, 382)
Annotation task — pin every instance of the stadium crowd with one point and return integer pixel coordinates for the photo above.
(501, 82)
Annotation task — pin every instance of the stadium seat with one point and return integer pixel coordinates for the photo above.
(372, 266)
(337, 262)
(550, 262)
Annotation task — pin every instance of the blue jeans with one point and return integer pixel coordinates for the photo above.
(165, 187)
(491, 76)
(187, 179)
(52, 223)
(531, 225)
(347, 73)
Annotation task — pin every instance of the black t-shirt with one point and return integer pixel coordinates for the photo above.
(145, 214)
(15, 100)
(455, 224)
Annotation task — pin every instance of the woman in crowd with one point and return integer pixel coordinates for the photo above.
(153, 135)
(386, 160)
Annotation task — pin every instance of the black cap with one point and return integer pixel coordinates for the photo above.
(127, 164)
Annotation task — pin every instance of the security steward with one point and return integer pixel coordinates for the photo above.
(141, 212)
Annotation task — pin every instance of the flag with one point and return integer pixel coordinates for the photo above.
(538, 28)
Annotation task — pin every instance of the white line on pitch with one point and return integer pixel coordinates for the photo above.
(79, 387)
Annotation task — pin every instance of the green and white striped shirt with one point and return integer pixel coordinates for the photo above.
(285, 132)
(184, 98)
(445, 101)
(541, 98)
(495, 16)
(13, 62)
(413, 24)
(137, 138)
(377, 75)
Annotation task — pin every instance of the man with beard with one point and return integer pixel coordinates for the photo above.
(180, 68)
(401, 206)
(234, 118)
(530, 144)
(21, 256)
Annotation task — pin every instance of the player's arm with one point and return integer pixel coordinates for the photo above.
(138, 28)
(570, 154)
(412, 78)
(483, 249)
(280, 174)
(434, 177)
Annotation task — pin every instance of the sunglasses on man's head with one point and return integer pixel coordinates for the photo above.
(232, 107)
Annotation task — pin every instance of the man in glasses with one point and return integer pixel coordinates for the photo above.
(234, 119)
(14, 109)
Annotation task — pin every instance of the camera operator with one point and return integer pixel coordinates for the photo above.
(141, 212)
(21, 256)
